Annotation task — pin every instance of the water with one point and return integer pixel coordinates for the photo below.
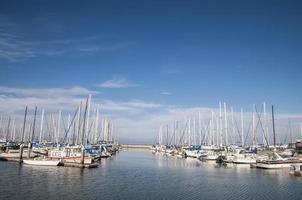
(138, 174)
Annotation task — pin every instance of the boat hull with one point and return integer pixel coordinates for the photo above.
(244, 161)
(42, 162)
(273, 166)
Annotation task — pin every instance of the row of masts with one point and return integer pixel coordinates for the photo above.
(84, 126)
(223, 127)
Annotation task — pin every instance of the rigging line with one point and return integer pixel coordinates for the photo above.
(206, 129)
(248, 131)
(236, 125)
(183, 133)
(48, 128)
(70, 125)
(259, 121)
(90, 128)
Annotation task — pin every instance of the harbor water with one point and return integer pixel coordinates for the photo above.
(139, 174)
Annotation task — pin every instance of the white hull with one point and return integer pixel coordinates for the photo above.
(273, 166)
(42, 162)
(192, 154)
(244, 161)
(210, 157)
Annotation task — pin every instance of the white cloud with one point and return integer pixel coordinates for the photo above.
(166, 93)
(142, 104)
(134, 121)
(118, 82)
(14, 100)
(12, 105)
(127, 108)
(46, 92)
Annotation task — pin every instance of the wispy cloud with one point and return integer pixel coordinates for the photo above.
(117, 82)
(143, 104)
(165, 93)
(46, 92)
(13, 99)
(128, 108)
(14, 47)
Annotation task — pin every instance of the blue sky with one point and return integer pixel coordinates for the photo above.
(157, 53)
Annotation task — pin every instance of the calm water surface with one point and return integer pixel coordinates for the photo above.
(138, 174)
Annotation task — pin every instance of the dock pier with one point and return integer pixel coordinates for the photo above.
(136, 146)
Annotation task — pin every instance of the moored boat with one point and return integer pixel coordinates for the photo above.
(70, 154)
(42, 162)
(277, 162)
(246, 160)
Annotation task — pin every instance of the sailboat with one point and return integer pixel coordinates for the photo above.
(42, 162)
(245, 159)
(277, 162)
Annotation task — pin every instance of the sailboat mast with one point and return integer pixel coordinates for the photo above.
(87, 126)
(213, 125)
(290, 131)
(225, 125)
(69, 127)
(194, 131)
(189, 133)
(167, 126)
(34, 126)
(233, 125)
(199, 127)
(41, 126)
(59, 127)
(96, 128)
(265, 123)
(220, 123)
(242, 138)
(158, 136)
(254, 126)
(84, 123)
(8, 129)
(13, 130)
(79, 124)
(274, 131)
(217, 130)
(174, 133)
(24, 123)
(32, 135)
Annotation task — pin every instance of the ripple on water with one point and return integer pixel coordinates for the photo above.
(142, 175)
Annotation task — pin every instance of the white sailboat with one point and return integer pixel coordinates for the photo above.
(277, 162)
(42, 162)
(245, 159)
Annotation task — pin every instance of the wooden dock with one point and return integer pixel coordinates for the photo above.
(136, 146)
(79, 165)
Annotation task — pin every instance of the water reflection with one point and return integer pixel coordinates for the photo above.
(135, 174)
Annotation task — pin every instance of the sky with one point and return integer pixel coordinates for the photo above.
(148, 62)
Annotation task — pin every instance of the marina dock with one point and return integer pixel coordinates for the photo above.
(136, 146)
